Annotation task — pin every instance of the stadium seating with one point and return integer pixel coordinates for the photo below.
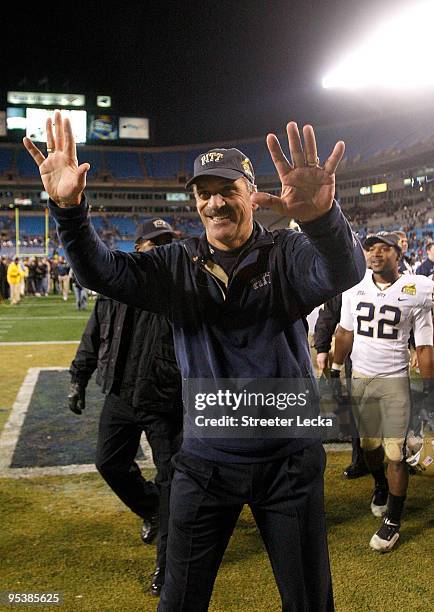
(166, 164)
(5, 222)
(260, 157)
(365, 139)
(191, 227)
(97, 221)
(124, 165)
(5, 160)
(125, 245)
(189, 158)
(124, 225)
(94, 158)
(32, 226)
(26, 167)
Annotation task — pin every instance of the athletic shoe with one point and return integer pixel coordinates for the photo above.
(386, 537)
(379, 500)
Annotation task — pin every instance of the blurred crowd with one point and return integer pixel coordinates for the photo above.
(407, 214)
(39, 277)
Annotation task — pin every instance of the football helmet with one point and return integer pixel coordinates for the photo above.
(420, 452)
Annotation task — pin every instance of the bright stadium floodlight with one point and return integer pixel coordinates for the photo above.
(397, 55)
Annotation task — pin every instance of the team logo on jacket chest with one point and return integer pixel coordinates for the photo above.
(261, 281)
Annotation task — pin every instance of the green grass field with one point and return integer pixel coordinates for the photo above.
(72, 535)
(43, 318)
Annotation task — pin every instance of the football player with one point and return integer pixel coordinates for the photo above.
(377, 317)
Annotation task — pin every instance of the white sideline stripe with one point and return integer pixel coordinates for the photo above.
(11, 319)
(41, 342)
(59, 470)
(41, 303)
(11, 432)
(29, 308)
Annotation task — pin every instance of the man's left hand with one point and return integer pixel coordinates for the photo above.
(308, 188)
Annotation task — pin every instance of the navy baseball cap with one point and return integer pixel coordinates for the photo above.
(386, 237)
(224, 163)
(152, 228)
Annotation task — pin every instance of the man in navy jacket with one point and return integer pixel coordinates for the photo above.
(237, 297)
(427, 266)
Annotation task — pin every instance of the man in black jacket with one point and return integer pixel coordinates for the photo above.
(132, 351)
(328, 318)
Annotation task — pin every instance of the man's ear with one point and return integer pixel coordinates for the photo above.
(255, 206)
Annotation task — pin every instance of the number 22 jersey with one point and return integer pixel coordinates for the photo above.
(382, 321)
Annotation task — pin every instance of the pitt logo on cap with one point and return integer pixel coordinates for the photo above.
(159, 223)
(211, 157)
(247, 166)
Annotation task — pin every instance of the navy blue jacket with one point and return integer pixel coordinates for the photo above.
(426, 268)
(254, 327)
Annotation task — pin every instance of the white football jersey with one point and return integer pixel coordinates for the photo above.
(382, 321)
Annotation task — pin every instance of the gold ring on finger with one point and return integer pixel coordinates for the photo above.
(312, 164)
(50, 149)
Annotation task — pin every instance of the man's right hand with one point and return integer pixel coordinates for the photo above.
(322, 361)
(76, 398)
(63, 179)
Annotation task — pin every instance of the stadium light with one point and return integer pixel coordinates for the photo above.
(399, 54)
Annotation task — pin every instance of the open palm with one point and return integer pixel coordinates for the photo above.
(63, 179)
(307, 188)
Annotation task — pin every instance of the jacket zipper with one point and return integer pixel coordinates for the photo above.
(195, 259)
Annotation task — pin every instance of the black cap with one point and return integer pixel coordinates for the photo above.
(386, 237)
(152, 228)
(225, 163)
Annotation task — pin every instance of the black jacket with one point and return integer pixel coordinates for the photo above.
(328, 318)
(133, 353)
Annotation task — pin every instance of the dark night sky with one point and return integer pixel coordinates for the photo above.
(203, 71)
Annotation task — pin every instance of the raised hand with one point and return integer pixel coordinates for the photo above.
(307, 188)
(63, 179)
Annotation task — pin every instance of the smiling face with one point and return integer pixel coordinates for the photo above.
(383, 258)
(226, 210)
(403, 243)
